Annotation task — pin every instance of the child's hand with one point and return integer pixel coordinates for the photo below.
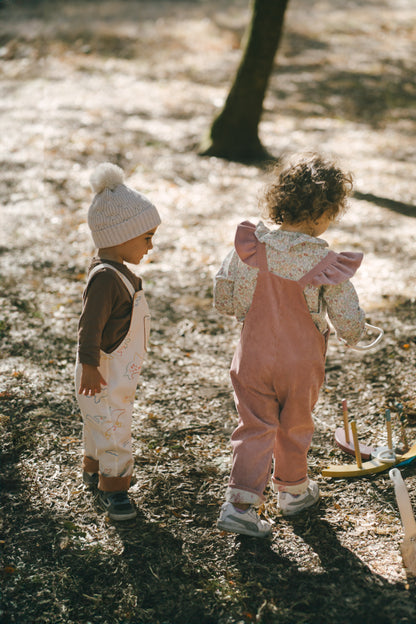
(91, 380)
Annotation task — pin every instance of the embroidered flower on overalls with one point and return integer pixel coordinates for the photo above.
(133, 368)
(101, 396)
(95, 418)
(117, 414)
(129, 398)
(123, 347)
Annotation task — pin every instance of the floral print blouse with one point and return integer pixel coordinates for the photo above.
(291, 255)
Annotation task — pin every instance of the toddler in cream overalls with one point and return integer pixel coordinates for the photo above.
(282, 284)
(112, 337)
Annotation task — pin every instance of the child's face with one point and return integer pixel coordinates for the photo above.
(134, 250)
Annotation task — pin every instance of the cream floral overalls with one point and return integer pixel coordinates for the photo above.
(107, 416)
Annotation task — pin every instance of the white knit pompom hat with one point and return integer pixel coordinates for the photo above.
(118, 213)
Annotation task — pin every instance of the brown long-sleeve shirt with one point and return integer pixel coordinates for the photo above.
(106, 312)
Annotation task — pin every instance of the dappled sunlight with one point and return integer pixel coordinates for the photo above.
(138, 83)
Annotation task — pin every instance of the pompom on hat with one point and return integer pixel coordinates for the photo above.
(118, 213)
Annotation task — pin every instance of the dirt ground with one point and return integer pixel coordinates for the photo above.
(138, 83)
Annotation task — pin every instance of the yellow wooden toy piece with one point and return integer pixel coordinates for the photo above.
(369, 467)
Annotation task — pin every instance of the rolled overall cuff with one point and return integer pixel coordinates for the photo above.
(237, 495)
(297, 488)
(90, 465)
(114, 484)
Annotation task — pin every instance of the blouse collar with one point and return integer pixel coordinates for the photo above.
(282, 240)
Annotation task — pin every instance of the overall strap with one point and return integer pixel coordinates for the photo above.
(127, 283)
(262, 256)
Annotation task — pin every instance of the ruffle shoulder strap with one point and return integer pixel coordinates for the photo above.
(245, 243)
(335, 268)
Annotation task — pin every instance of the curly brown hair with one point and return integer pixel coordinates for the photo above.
(305, 189)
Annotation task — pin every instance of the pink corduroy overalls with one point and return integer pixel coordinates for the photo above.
(277, 371)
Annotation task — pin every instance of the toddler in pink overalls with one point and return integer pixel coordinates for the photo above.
(112, 336)
(282, 284)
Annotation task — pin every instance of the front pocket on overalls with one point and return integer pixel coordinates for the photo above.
(146, 322)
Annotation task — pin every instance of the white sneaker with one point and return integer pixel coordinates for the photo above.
(247, 523)
(291, 504)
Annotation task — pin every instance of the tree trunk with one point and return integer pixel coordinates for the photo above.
(234, 132)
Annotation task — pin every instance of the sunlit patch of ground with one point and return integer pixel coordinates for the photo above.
(138, 83)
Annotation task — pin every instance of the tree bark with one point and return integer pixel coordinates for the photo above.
(234, 132)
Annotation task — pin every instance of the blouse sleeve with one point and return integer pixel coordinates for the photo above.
(344, 311)
(236, 280)
(224, 285)
(234, 286)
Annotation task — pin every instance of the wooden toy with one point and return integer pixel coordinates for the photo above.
(408, 546)
(356, 444)
(403, 435)
(343, 436)
(344, 439)
(386, 453)
(372, 466)
(381, 458)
